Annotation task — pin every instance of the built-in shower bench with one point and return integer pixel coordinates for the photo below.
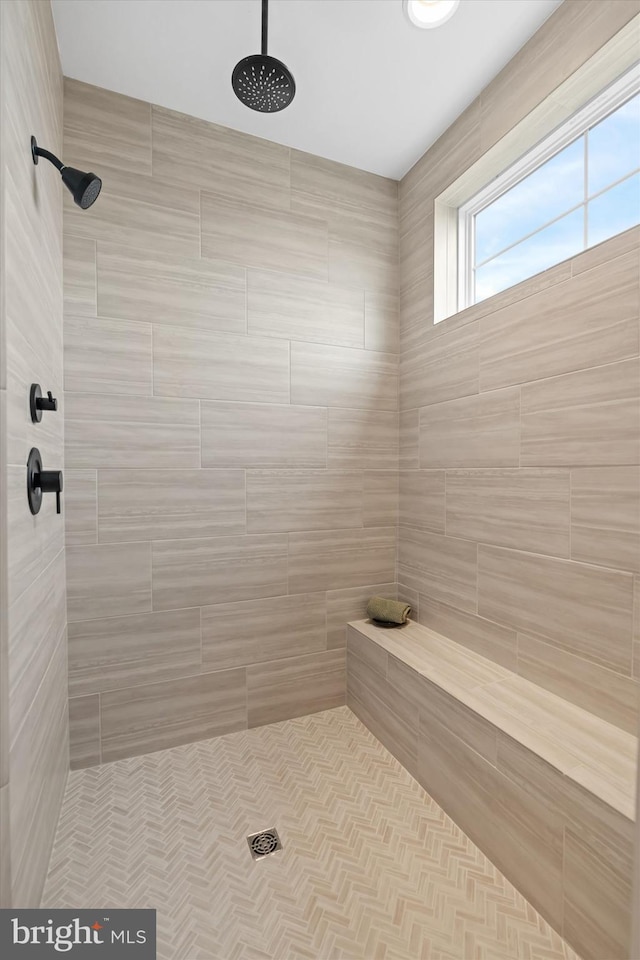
(544, 788)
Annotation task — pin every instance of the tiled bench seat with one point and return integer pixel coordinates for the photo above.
(545, 789)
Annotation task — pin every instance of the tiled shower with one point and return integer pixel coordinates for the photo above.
(260, 427)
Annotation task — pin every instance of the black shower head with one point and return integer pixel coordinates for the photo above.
(261, 82)
(84, 187)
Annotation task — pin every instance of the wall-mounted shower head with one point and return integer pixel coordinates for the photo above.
(262, 82)
(84, 187)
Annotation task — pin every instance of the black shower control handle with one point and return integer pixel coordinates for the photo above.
(50, 481)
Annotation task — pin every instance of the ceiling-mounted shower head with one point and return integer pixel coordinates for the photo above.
(261, 82)
(84, 187)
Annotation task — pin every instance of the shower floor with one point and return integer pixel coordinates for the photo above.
(372, 868)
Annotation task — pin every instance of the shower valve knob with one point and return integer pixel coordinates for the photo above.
(38, 403)
(41, 481)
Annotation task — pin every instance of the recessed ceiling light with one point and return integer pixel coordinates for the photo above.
(429, 13)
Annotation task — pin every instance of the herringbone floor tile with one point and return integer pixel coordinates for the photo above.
(371, 869)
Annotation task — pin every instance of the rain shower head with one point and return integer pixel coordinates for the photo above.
(261, 82)
(84, 187)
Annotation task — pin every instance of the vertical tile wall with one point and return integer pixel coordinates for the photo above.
(33, 723)
(520, 424)
(231, 339)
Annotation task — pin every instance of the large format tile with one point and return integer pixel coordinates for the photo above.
(350, 603)
(599, 310)
(381, 321)
(160, 715)
(123, 651)
(158, 432)
(343, 377)
(362, 439)
(588, 418)
(178, 504)
(255, 631)
(193, 573)
(609, 695)
(263, 237)
(335, 559)
(104, 127)
(142, 212)
(81, 506)
(605, 516)
(524, 509)
(140, 284)
(107, 356)
(108, 579)
(84, 731)
(296, 308)
(279, 501)
(218, 366)
(442, 567)
(481, 431)
(380, 505)
(409, 438)
(446, 370)
(422, 499)
(219, 159)
(33, 542)
(263, 435)
(292, 688)
(79, 274)
(583, 609)
(489, 639)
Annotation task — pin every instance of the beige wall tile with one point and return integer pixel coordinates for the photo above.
(618, 246)
(422, 499)
(140, 284)
(441, 567)
(599, 310)
(605, 516)
(33, 542)
(390, 716)
(84, 731)
(336, 559)
(482, 431)
(583, 609)
(362, 439)
(124, 651)
(158, 432)
(409, 439)
(295, 687)
(255, 631)
(81, 506)
(139, 211)
(296, 308)
(521, 836)
(263, 435)
(450, 155)
(219, 159)
(363, 266)
(268, 239)
(217, 366)
(343, 377)
(178, 504)
(157, 716)
(380, 505)
(609, 695)
(79, 272)
(596, 902)
(636, 628)
(283, 500)
(351, 604)
(107, 356)
(583, 419)
(524, 509)
(107, 579)
(448, 369)
(369, 654)
(192, 573)
(381, 322)
(104, 127)
(489, 639)
(22, 367)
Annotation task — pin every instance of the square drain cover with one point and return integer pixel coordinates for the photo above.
(263, 843)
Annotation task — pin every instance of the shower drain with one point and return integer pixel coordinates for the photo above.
(263, 843)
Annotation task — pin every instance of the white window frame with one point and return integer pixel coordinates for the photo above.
(596, 110)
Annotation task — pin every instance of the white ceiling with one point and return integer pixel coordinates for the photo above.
(372, 91)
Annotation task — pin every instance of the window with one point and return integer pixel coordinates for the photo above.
(578, 187)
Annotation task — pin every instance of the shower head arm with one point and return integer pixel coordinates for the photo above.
(265, 25)
(37, 151)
